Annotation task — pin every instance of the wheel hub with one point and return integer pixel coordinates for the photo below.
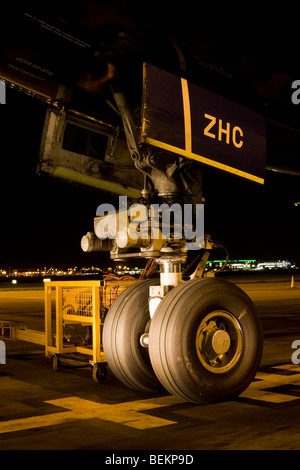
(219, 342)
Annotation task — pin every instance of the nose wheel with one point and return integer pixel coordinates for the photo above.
(205, 341)
(126, 321)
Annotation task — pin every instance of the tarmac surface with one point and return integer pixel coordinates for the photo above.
(65, 409)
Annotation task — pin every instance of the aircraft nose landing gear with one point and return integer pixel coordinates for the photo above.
(200, 339)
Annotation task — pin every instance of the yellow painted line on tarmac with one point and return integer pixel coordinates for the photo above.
(128, 414)
(257, 389)
(289, 367)
(266, 396)
(133, 414)
(24, 424)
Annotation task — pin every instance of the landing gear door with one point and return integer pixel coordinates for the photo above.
(87, 152)
(186, 119)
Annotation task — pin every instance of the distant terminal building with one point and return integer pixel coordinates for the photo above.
(275, 265)
(249, 265)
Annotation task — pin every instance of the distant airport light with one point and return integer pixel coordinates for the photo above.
(14, 281)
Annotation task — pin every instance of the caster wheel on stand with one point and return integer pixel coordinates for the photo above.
(55, 359)
(99, 372)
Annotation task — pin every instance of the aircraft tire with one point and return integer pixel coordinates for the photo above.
(126, 321)
(205, 341)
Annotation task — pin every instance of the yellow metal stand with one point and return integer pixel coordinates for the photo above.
(79, 302)
(76, 302)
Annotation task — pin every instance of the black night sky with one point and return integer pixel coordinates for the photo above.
(42, 220)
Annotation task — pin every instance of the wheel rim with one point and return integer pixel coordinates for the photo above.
(219, 341)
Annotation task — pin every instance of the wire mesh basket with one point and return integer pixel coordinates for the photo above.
(77, 300)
